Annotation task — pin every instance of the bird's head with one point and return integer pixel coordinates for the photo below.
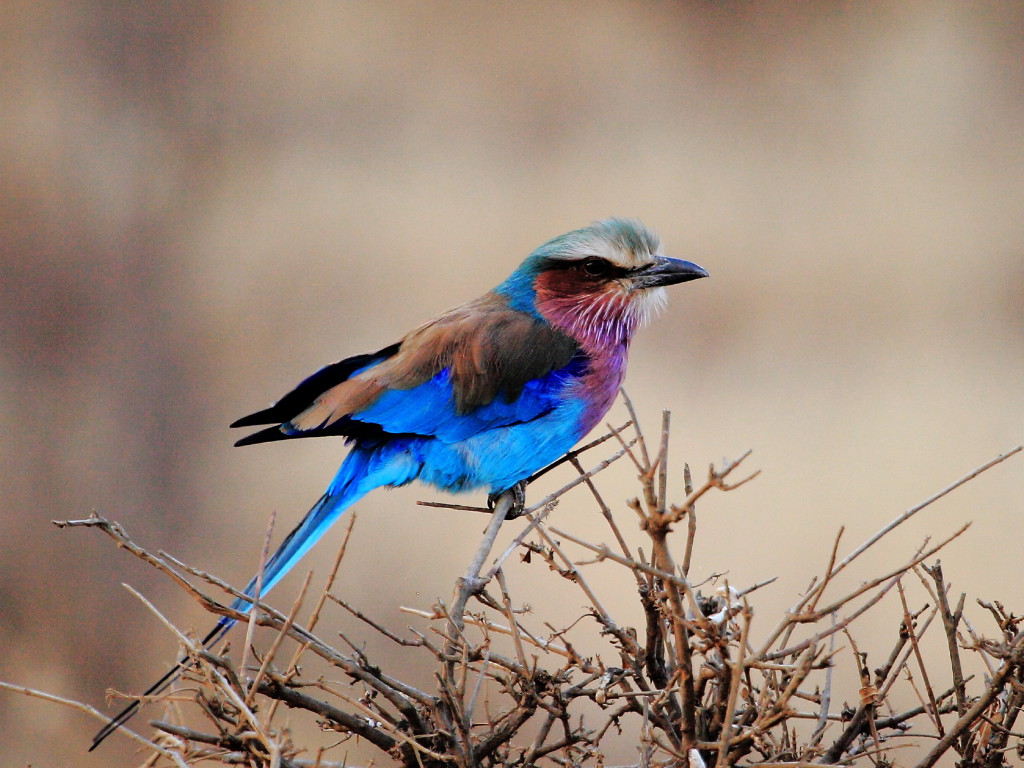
(598, 283)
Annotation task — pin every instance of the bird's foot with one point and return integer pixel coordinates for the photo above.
(518, 492)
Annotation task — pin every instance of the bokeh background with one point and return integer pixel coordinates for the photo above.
(201, 203)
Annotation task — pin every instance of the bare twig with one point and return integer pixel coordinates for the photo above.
(277, 640)
(908, 622)
(950, 620)
(900, 519)
(1014, 658)
(92, 712)
(734, 688)
(250, 627)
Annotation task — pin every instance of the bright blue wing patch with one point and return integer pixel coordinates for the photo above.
(429, 408)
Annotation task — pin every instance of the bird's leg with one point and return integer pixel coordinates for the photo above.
(518, 500)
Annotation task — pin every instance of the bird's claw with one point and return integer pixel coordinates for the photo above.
(518, 506)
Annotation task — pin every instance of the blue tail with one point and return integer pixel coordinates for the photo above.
(361, 472)
(296, 544)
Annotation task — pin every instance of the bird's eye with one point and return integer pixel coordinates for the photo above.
(595, 267)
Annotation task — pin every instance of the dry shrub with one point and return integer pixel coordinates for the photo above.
(697, 683)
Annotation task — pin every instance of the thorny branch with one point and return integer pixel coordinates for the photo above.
(689, 686)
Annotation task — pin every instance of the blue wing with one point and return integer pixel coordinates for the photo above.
(477, 368)
(427, 409)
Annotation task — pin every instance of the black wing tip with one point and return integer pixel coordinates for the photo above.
(307, 390)
(265, 416)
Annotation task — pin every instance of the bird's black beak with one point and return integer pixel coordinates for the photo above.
(666, 271)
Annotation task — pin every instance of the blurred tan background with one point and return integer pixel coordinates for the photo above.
(202, 203)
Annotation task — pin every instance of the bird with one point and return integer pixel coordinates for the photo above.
(479, 397)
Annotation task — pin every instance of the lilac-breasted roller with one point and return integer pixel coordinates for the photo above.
(482, 396)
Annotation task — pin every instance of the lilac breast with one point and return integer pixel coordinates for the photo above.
(599, 385)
